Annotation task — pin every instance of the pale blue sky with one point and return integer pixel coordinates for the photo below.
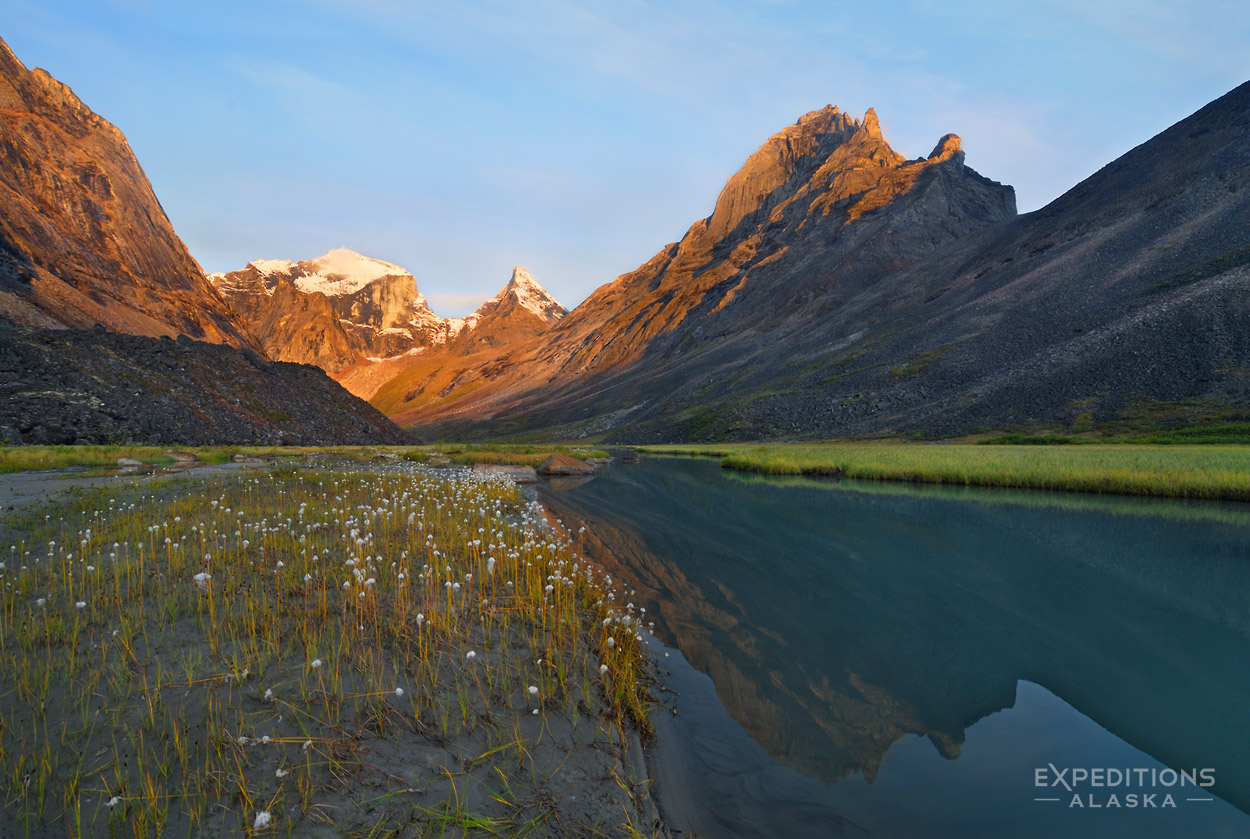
(578, 138)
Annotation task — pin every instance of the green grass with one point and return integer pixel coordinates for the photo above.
(516, 454)
(1174, 471)
(29, 458)
(347, 650)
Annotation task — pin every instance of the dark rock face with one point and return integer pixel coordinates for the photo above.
(94, 386)
(83, 240)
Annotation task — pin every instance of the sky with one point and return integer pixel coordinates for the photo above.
(579, 138)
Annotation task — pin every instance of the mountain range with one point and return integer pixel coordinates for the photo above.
(836, 288)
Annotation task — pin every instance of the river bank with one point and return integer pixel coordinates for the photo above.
(1211, 472)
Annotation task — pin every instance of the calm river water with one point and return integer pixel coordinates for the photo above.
(885, 660)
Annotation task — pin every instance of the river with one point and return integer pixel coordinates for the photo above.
(874, 659)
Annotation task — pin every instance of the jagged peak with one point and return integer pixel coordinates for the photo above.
(530, 295)
(948, 147)
(871, 125)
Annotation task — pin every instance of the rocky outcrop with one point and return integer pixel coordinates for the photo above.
(562, 464)
(83, 240)
(94, 386)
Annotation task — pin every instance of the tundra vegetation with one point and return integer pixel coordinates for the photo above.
(1174, 471)
(357, 650)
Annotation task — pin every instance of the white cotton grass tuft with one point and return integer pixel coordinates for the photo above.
(316, 664)
(470, 655)
(201, 580)
(113, 802)
(533, 690)
(282, 773)
(81, 604)
(603, 669)
(262, 820)
(399, 691)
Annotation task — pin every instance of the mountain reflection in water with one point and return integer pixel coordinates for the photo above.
(835, 622)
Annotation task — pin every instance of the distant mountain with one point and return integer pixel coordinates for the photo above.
(823, 211)
(83, 240)
(364, 320)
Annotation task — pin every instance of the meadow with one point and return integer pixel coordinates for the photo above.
(356, 650)
(1174, 471)
(27, 458)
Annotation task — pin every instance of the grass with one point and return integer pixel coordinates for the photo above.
(519, 454)
(29, 458)
(1174, 471)
(370, 651)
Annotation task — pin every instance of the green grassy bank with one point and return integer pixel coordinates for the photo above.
(1173, 471)
(28, 458)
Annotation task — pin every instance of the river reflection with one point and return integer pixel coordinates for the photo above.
(839, 626)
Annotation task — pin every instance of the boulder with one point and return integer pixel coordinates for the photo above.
(560, 464)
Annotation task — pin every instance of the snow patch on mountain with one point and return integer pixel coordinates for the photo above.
(339, 272)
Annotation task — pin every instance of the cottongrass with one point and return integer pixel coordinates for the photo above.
(325, 610)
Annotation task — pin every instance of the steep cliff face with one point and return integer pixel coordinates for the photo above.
(83, 240)
(823, 210)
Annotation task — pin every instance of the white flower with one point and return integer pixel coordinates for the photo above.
(262, 820)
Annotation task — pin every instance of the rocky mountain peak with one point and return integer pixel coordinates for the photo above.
(340, 272)
(531, 296)
(871, 126)
(947, 148)
(784, 164)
